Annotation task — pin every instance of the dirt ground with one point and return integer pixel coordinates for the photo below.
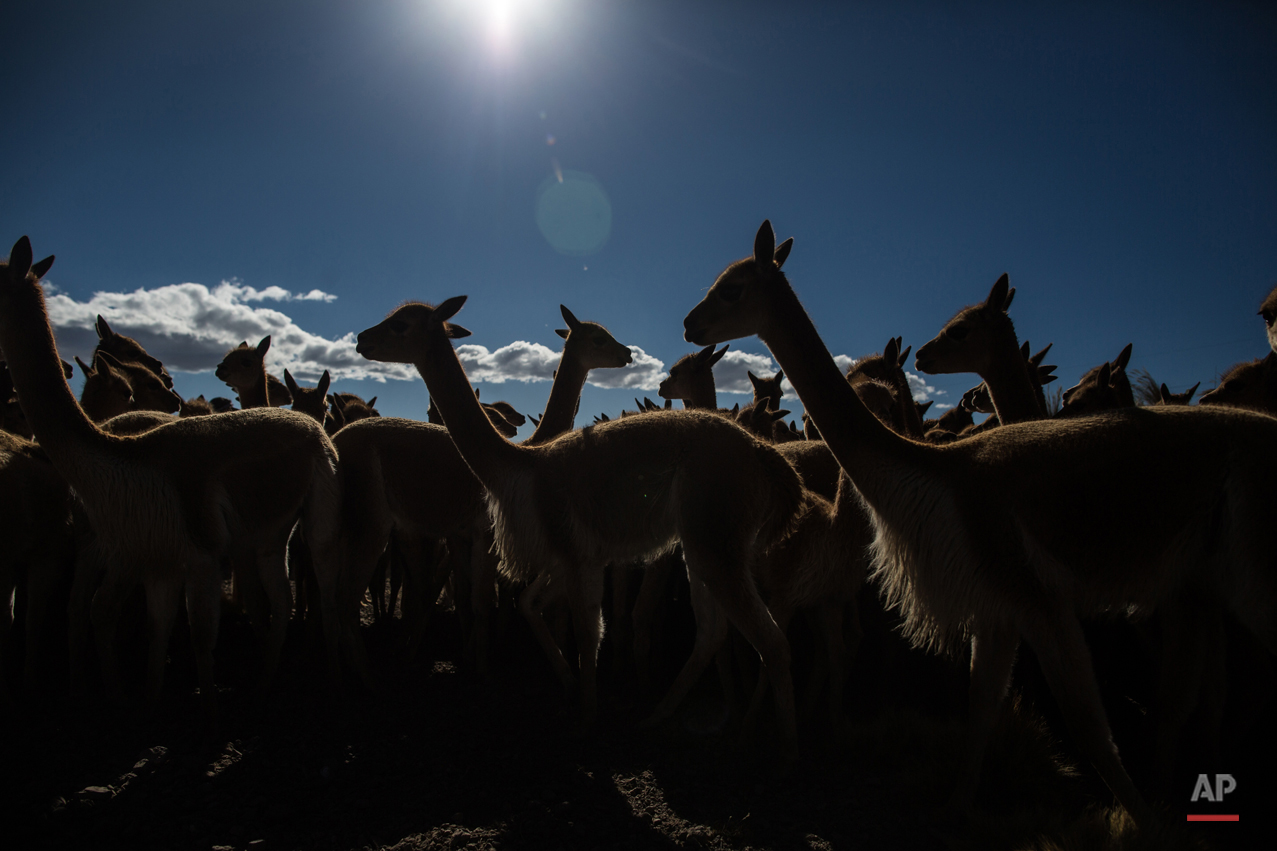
(440, 758)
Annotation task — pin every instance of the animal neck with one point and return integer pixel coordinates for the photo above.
(489, 455)
(55, 418)
(255, 395)
(703, 395)
(560, 410)
(853, 434)
(1010, 386)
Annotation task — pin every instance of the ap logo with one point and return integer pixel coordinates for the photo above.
(1224, 783)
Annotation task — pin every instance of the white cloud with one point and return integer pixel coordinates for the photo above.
(922, 391)
(524, 361)
(730, 373)
(190, 327)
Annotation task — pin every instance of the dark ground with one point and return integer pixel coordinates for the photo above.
(442, 759)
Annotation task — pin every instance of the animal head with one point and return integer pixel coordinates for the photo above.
(402, 336)
(244, 366)
(1252, 384)
(969, 341)
(127, 350)
(691, 374)
(739, 302)
(590, 344)
(312, 401)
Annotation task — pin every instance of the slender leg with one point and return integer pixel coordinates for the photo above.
(80, 618)
(1062, 651)
(531, 602)
(203, 610)
(108, 602)
(992, 655)
(587, 623)
(483, 599)
(651, 593)
(272, 570)
(162, 599)
(711, 635)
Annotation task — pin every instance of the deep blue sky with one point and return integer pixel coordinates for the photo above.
(1118, 160)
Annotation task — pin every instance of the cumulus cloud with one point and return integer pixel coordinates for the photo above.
(190, 327)
(523, 361)
(922, 391)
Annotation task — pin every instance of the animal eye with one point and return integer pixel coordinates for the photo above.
(731, 292)
(958, 333)
(397, 325)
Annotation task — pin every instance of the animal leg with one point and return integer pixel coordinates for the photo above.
(203, 610)
(992, 655)
(586, 603)
(483, 598)
(162, 599)
(651, 592)
(424, 575)
(108, 602)
(273, 574)
(1066, 662)
(531, 602)
(711, 635)
(80, 618)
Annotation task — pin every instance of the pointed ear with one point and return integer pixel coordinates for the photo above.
(753, 380)
(448, 309)
(891, 351)
(562, 332)
(1046, 379)
(718, 356)
(371, 402)
(67, 369)
(904, 356)
(782, 251)
(778, 415)
(456, 332)
(736, 408)
(1024, 350)
(1193, 389)
(88, 371)
(20, 257)
(290, 383)
(998, 295)
(42, 268)
(1105, 375)
(764, 246)
(1123, 358)
(1165, 393)
(104, 330)
(201, 398)
(101, 365)
(264, 346)
(324, 380)
(573, 324)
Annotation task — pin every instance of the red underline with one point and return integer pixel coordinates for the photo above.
(1213, 818)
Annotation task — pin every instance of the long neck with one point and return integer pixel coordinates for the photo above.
(489, 455)
(254, 395)
(703, 395)
(855, 436)
(1012, 390)
(56, 419)
(560, 410)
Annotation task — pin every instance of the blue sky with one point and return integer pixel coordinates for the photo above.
(200, 167)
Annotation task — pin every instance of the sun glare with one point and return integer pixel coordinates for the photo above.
(506, 23)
